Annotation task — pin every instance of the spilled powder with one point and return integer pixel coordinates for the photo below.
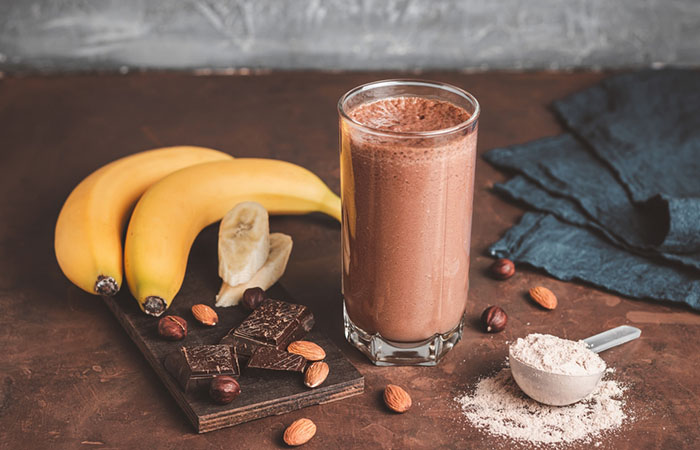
(499, 407)
(557, 355)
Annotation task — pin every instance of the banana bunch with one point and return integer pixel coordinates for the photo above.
(90, 226)
(181, 191)
(170, 215)
(249, 256)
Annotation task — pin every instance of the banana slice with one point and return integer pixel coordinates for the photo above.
(244, 242)
(271, 271)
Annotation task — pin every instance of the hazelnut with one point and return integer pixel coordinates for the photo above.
(172, 328)
(224, 389)
(253, 297)
(502, 269)
(494, 319)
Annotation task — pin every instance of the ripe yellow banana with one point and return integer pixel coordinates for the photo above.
(90, 226)
(173, 211)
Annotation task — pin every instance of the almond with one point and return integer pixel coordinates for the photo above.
(396, 398)
(205, 315)
(544, 297)
(316, 374)
(309, 350)
(299, 432)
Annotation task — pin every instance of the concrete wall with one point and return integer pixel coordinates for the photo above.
(57, 35)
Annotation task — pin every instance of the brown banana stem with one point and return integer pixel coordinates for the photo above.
(106, 286)
(154, 306)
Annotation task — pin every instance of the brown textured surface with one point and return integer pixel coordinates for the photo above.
(69, 374)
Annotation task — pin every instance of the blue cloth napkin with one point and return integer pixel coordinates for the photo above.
(619, 195)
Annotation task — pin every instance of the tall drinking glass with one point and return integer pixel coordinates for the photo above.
(407, 156)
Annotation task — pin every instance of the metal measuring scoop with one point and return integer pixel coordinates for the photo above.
(559, 390)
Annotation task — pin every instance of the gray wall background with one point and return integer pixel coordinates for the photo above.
(59, 35)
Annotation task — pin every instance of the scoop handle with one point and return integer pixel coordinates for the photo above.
(612, 338)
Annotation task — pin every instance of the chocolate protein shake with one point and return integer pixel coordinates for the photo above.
(407, 176)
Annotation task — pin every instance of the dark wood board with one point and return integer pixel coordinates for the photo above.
(263, 393)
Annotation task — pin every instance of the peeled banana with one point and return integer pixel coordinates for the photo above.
(244, 242)
(269, 273)
(172, 212)
(90, 226)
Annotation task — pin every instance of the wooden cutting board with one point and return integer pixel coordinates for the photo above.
(262, 394)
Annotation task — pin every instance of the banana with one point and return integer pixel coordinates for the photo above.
(90, 226)
(271, 271)
(173, 211)
(244, 242)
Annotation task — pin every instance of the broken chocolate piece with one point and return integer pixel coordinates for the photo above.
(197, 365)
(272, 359)
(274, 324)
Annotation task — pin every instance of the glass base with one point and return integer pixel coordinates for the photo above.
(383, 352)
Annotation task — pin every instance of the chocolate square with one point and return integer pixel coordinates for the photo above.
(272, 359)
(274, 324)
(196, 366)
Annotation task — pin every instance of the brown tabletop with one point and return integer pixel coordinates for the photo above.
(71, 378)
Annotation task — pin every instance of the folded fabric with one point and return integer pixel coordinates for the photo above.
(569, 252)
(629, 172)
(522, 189)
(646, 126)
(565, 179)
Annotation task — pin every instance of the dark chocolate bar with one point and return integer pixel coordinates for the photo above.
(272, 359)
(197, 365)
(273, 324)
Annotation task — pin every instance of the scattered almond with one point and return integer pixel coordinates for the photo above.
(309, 350)
(299, 432)
(544, 297)
(396, 398)
(205, 315)
(316, 374)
